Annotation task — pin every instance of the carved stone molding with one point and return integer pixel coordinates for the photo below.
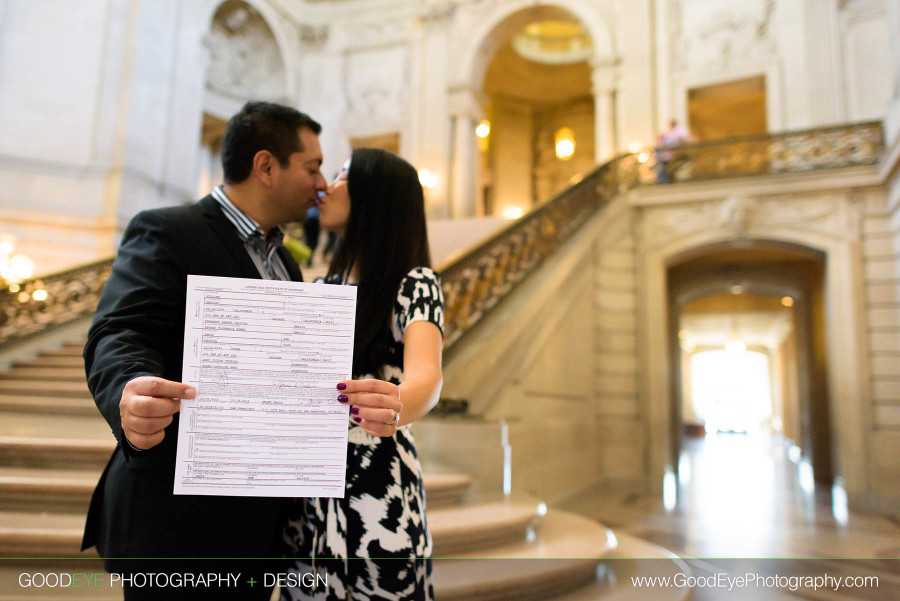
(245, 60)
(376, 82)
(710, 32)
(742, 217)
(436, 13)
(313, 36)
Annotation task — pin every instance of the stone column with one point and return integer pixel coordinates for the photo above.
(465, 111)
(892, 119)
(430, 131)
(603, 80)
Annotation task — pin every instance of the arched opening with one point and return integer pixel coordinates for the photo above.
(534, 79)
(245, 63)
(748, 359)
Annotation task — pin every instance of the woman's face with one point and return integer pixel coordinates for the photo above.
(334, 208)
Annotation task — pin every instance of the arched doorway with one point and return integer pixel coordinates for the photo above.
(537, 82)
(748, 351)
(245, 62)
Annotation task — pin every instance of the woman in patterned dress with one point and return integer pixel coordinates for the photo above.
(374, 543)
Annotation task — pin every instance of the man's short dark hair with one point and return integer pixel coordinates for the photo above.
(262, 126)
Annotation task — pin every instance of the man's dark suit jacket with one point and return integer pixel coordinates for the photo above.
(139, 330)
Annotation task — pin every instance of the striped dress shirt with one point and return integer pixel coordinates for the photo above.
(263, 250)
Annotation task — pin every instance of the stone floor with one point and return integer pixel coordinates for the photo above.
(747, 504)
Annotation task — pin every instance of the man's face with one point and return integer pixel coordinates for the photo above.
(299, 182)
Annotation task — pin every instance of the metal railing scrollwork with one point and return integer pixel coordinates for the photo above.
(35, 305)
(479, 278)
(476, 281)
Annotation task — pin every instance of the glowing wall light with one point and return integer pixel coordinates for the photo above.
(484, 129)
(565, 143)
(512, 212)
(427, 178)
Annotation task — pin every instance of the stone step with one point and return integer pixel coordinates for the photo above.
(37, 388)
(48, 404)
(69, 350)
(612, 581)
(37, 425)
(69, 491)
(45, 374)
(444, 489)
(41, 535)
(479, 526)
(37, 452)
(11, 570)
(562, 556)
(47, 490)
(49, 361)
(634, 557)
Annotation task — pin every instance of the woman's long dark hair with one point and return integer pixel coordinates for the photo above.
(385, 238)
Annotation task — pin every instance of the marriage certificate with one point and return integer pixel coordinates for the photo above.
(265, 357)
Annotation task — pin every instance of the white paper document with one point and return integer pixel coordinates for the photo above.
(265, 357)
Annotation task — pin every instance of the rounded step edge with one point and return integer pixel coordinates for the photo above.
(38, 490)
(65, 351)
(42, 535)
(469, 527)
(10, 571)
(54, 452)
(563, 555)
(45, 374)
(48, 404)
(634, 558)
(445, 489)
(44, 361)
(25, 386)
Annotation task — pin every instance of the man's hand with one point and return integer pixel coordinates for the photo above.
(147, 406)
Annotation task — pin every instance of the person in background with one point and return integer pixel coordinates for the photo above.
(677, 134)
(311, 232)
(374, 543)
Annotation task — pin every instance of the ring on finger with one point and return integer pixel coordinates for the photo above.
(395, 417)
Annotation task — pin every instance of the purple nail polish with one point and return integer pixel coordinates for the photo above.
(358, 420)
(341, 386)
(342, 398)
(354, 410)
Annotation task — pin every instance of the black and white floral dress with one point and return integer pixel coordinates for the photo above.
(374, 543)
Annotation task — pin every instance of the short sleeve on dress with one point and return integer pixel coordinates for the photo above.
(419, 299)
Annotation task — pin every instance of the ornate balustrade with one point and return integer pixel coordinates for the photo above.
(479, 278)
(38, 304)
(790, 152)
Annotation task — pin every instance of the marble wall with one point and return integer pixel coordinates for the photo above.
(104, 120)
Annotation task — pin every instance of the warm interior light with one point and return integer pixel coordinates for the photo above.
(565, 143)
(735, 346)
(635, 147)
(643, 157)
(484, 129)
(427, 178)
(39, 295)
(512, 212)
(787, 301)
(13, 268)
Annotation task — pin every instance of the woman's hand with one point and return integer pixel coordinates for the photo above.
(374, 405)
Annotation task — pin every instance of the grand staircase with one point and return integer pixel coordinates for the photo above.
(54, 444)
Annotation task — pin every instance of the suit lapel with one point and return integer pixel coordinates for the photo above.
(224, 229)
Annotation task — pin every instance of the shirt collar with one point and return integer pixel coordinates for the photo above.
(245, 225)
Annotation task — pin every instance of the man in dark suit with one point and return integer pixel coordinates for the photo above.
(271, 160)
